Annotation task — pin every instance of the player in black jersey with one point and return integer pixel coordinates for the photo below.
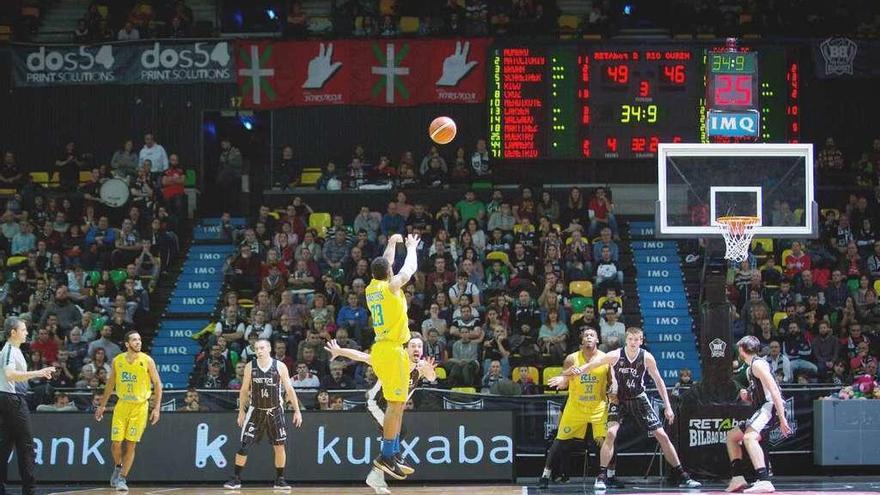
(261, 410)
(628, 367)
(764, 396)
(419, 368)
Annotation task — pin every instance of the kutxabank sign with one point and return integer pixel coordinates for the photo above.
(330, 446)
(154, 62)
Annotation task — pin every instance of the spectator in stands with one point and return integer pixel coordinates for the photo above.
(24, 241)
(309, 358)
(435, 177)
(68, 165)
(106, 344)
(826, 348)
(552, 337)
(61, 403)
(259, 326)
(67, 313)
(173, 193)
(492, 376)
(685, 381)
(392, 222)
(281, 355)
(779, 361)
(81, 34)
(304, 378)
(10, 175)
(611, 331)
(607, 272)
(471, 208)
(601, 211)
(840, 374)
(245, 270)
(353, 316)
(337, 380)
(128, 32)
(830, 158)
(214, 379)
(799, 351)
(859, 363)
(155, 153)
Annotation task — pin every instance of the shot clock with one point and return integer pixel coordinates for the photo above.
(732, 90)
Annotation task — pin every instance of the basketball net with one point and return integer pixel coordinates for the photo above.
(738, 233)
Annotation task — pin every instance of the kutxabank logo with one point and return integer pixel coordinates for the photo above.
(256, 73)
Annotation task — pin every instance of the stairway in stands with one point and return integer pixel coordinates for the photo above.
(667, 320)
(192, 303)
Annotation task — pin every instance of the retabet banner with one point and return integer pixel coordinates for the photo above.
(371, 72)
(330, 446)
(155, 62)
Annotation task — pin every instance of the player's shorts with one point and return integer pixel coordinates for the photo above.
(574, 421)
(639, 410)
(129, 421)
(391, 365)
(761, 420)
(270, 422)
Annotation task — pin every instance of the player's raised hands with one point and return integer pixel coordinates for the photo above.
(412, 241)
(333, 348)
(395, 239)
(427, 369)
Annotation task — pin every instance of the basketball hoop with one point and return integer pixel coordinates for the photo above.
(738, 233)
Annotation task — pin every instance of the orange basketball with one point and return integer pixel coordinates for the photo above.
(442, 130)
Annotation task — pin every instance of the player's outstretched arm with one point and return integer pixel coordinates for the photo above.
(594, 363)
(651, 366)
(291, 394)
(157, 390)
(410, 264)
(761, 369)
(561, 382)
(244, 394)
(336, 351)
(391, 248)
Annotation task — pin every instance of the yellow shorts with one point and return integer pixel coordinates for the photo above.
(129, 421)
(391, 365)
(574, 421)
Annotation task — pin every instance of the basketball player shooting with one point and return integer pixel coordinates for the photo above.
(260, 410)
(388, 311)
(628, 367)
(765, 398)
(419, 368)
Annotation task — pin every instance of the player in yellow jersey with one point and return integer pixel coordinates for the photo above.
(387, 305)
(587, 403)
(130, 377)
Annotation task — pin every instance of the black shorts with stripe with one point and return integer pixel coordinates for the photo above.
(258, 422)
(637, 409)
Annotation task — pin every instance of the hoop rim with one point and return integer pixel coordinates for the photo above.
(733, 221)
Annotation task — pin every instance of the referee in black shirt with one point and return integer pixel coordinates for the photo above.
(14, 417)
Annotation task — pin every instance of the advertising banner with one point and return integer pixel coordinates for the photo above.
(156, 62)
(370, 72)
(330, 446)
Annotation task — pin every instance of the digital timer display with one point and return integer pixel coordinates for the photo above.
(577, 100)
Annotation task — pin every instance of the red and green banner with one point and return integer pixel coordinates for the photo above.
(370, 72)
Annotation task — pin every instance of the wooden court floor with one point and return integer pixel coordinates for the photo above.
(325, 490)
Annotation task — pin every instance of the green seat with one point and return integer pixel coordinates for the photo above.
(118, 276)
(481, 185)
(190, 178)
(852, 285)
(95, 277)
(579, 304)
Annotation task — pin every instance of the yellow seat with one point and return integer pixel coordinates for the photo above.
(877, 286)
(798, 215)
(104, 11)
(549, 372)
(498, 255)
(778, 317)
(465, 390)
(8, 192)
(320, 222)
(85, 176)
(246, 303)
(387, 7)
(15, 260)
(40, 177)
(5, 32)
(785, 253)
(581, 287)
(310, 176)
(569, 22)
(764, 242)
(533, 374)
(409, 25)
(441, 372)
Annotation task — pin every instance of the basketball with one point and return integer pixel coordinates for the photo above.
(442, 130)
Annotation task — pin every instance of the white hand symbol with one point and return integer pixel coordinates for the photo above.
(456, 65)
(321, 68)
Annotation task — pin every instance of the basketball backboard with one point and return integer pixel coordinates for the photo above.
(697, 183)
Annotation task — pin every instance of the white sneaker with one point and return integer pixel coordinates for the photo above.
(599, 485)
(114, 478)
(761, 487)
(376, 481)
(121, 485)
(737, 484)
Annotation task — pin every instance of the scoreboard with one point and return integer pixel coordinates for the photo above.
(579, 101)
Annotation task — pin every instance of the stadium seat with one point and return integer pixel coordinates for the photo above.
(5, 32)
(310, 176)
(579, 304)
(321, 222)
(85, 176)
(8, 192)
(765, 243)
(852, 285)
(118, 276)
(798, 215)
(40, 177)
(190, 180)
(465, 390)
(441, 372)
(568, 23)
(581, 287)
(877, 286)
(498, 255)
(835, 211)
(533, 374)
(409, 25)
(778, 317)
(549, 372)
(785, 253)
(12, 261)
(246, 303)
